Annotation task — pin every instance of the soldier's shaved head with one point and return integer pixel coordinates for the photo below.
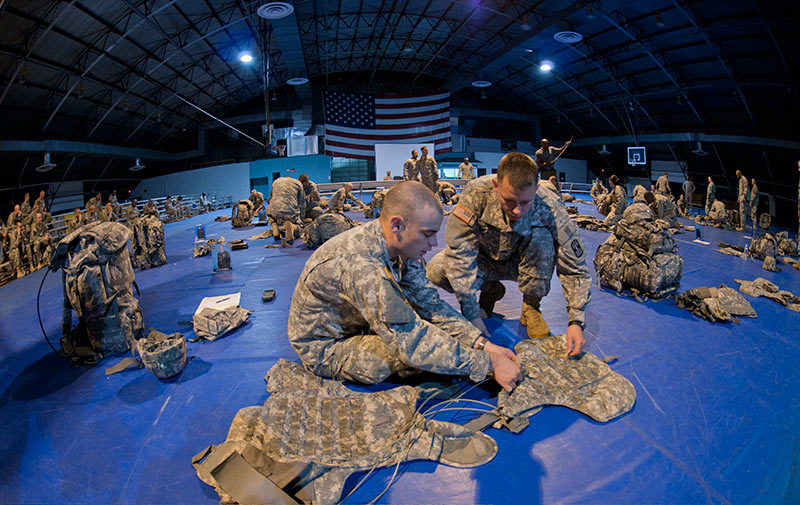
(519, 169)
(410, 199)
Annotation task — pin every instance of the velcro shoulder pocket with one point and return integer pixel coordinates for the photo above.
(395, 310)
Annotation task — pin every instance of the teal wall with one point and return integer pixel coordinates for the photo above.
(317, 166)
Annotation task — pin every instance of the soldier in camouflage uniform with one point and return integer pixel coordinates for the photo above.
(25, 207)
(428, 170)
(363, 308)
(598, 189)
(313, 201)
(257, 198)
(618, 203)
(76, 221)
(107, 213)
(446, 192)
(466, 170)
(798, 207)
(546, 157)
(341, 197)
(718, 213)
(96, 200)
(742, 199)
(170, 210)
(91, 214)
(662, 185)
(182, 209)
(373, 208)
(20, 250)
(132, 213)
(504, 228)
(287, 207)
(410, 170)
(16, 215)
(753, 202)
(41, 245)
(150, 208)
(711, 193)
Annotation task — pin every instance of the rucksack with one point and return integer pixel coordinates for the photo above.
(148, 243)
(763, 246)
(241, 213)
(324, 227)
(98, 279)
(639, 256)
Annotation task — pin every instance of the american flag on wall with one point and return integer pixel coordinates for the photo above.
(354, 123)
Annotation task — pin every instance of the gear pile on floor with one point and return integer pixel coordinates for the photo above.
(312, 433)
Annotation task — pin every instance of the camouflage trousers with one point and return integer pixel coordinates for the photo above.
(743, 214)
(709, 203)
(360, 358)
(532, 267)
(289, 228)
(41, 252)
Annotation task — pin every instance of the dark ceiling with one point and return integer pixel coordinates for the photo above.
(129, 78)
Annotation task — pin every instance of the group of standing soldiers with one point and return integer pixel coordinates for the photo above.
(25, 236)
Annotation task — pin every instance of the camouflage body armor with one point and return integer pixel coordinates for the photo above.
(98, 279)
(763, 246)
(312, 433)
(325, 227)
(241, 213)
(640, 255)
(148, 243)
(584, 383)
(715, 304)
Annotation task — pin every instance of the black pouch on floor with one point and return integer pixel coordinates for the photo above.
(268, 295)
(239, 244)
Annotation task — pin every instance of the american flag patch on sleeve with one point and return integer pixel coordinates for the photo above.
(464, 214)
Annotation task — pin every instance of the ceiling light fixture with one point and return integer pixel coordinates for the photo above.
(483, 95)
(589, 13)
(525, 26)
(604, 151)
(125, 106)
(407, 47)
(23, 75)
(274, 97)
(297, 81)
(46, 166)
(546, 66)
(245, 57)
(136, 166)
(699, 150)
(275, 10)
(481, 84)
(659, 22)
(568, 37)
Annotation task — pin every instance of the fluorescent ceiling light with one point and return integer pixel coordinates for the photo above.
(245, 57)
(546, 66)
(481, 84)
(297, 81)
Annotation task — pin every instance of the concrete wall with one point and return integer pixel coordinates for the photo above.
(222, 180)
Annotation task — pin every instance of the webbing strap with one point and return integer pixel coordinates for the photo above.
(246, 485)
(123, 365)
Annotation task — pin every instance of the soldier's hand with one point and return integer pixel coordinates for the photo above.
(506, 370)
(575, 340)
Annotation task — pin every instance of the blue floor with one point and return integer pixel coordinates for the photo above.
(716, 418)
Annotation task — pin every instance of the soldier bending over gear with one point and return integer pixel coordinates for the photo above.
(363, 308)
(287, 207)
(341, 197)
(313, 200)
(503, 228)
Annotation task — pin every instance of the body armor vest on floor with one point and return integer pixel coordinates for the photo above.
(241, 213)
(584, 383)
(98, 278)
(640, 255)
(715, 304)
(305, 441)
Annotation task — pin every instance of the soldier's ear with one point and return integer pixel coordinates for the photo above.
(397, 224)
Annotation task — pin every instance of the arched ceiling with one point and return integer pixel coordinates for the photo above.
(134, 74)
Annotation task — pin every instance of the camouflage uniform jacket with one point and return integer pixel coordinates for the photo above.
(466, 171)
(131, 213)
(93, 200)
(258, 200)
(619, 199)
(754, 195)
(340, 198)
(312, 194)
(350, 286)
(150, 208)
(429, 172)
(742, 197)
(42, 205)
(38, 232)
(25, 208)
(13, 218)
(711, 191)
(662, 185)
(410, 170)
(288, 200)
(490, 234)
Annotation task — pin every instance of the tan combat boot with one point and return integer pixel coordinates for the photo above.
(491, 293)
(532, 318)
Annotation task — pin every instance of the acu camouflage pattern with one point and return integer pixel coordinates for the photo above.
(429, 172)
(767, 289)
(491, 247)
(718, 213)
(591, 223)
(163, 355)
(763, 246)
(98, 278)
(715, 304)
(786, 246)
(148, 243)
(446, 192)
(211, 324)
(598, 189)
(241, 213)
(664, 209)
(616, 204)
(325, 227)
(373, 208)
(338, 202)
(770, 264)
(583, 383)
(358, 315)
(308, 440)
(288, 201)
(640, 255)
